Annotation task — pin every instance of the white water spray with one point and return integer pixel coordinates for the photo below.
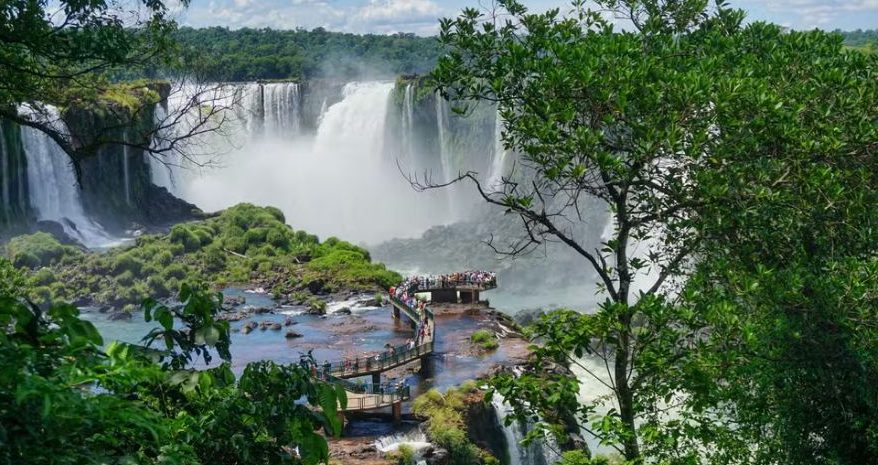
(498, 163)
(338, 182)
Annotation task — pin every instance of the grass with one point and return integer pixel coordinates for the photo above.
(245, 244)
(485, 339)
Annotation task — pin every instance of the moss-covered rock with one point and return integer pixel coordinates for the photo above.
(38, 250)
(245, 244)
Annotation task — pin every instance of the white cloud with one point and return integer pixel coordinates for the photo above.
(382, 11)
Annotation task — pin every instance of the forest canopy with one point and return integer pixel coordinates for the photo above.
(221, 54)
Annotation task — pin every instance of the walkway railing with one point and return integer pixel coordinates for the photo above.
(413, 314)
(361, 366)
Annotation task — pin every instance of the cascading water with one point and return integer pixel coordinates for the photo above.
(281, 103)
(4, 169)
(498, 162)
(415, 439)
(337, 182)
(535, 453)
(126, 170)
(54, 194)
(408, 120)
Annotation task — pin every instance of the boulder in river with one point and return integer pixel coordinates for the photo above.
(275, 326)
(120, 315)
(246, 329)
(343, 311)
(292, 335)
(289, 321)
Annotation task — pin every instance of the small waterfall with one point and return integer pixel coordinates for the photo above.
(281, 103)
(414, 439)
(4, 169)
(442, 126)
(536, 453)
(160, 173)
(126, 173)
(408, 120)
(54, 194)
(499, 159)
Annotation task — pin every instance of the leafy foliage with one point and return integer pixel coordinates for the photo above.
(67, 400)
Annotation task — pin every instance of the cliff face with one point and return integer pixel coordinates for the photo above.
(116, 181)
(14, 203)
(117, 186)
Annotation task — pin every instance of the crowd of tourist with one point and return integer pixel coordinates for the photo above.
(406, 290)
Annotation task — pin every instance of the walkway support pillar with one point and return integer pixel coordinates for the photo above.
(376, 378)
(397, 412)
(395, 312)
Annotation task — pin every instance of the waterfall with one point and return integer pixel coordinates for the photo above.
(414, 439)
(335, 182)
(498, 162)
(160, 173)
(4, 169)
(442, 126)
(126, 175)
(536, 453)
(54, 194)
(408, 121)
(281, 108)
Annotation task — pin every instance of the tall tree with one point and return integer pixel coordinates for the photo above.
(639, 121)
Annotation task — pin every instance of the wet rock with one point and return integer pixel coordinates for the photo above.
(246, 329)
(120, 316)
(292, 334)
(233, 301)
(316, 286)
(373, 302)
(262, 310)
(289, 321)
(343, 311)
(438, 457)
(276, 326)
(105, 309)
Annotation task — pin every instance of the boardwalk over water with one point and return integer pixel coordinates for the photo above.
(361, 396)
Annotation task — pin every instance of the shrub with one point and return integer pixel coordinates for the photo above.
(276, 213)
(126, 278)
(127, 262)
(36, 250)
(255, 235)
(214, 259)
(44, 277)
(181, 234)
(403, 455)
(175, 270)
(278, 238)
(164, 258)
(485, 339)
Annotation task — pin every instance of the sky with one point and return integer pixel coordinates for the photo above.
(421, 16)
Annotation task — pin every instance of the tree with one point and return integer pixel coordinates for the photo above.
(56, 59)
(640, 121)
(786, 278)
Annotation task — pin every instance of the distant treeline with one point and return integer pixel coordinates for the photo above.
(867, 39)
(221, 54)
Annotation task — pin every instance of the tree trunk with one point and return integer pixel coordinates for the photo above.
(625, 396)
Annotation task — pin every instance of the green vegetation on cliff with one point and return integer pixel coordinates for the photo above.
(244, 244)
(446, 422)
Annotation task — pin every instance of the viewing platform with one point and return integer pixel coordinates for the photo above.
(377, 395)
